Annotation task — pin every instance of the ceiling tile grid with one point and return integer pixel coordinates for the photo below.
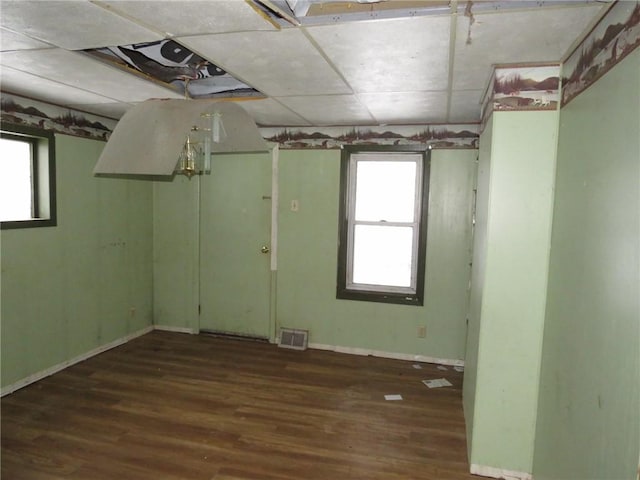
(406, 107)
(16, 41)
(80, 71)
(541, 35)
(465, 106)
(409, 54)
(192, 17)
(330, 109)
(280, 63)
(111, 110)
(28, 85)
(364, 71)
(72, 24)
(267, 111)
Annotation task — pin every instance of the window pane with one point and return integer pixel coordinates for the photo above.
(385, 191)
(382, 255)
(15, 180)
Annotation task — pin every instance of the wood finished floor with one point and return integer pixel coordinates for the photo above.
(176, 406)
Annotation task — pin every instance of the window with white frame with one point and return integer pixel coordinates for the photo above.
(383, 224)
(27, 177)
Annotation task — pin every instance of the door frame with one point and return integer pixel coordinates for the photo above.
(273, 264)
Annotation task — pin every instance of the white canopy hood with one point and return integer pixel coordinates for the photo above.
(149, 138)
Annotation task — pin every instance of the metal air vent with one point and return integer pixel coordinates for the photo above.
(294, 339)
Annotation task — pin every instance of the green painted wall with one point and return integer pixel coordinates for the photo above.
(69, 289)
(477, 279)
(306, 279)
(307, 264)
(512, 289)
(589, 418)
(176, 252)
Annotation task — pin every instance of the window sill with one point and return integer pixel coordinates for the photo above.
(380, 297)
(32, 223)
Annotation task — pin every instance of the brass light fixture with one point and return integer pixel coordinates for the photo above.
(195, 157)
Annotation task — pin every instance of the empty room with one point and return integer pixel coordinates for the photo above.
(320, 239)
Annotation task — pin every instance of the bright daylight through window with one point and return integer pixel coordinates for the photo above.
(383, 224)
(16, 180)
(27, 178)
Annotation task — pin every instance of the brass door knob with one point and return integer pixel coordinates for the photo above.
(265, 249)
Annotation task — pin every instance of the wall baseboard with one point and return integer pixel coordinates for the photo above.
(80, 358)
(493, 472)
(383, 354)
(169, 328)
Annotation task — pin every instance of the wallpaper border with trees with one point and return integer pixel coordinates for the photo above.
(32, 113)
(522, 87)
(613, 38)
(437, 136)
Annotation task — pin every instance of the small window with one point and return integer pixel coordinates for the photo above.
(27, 177)
(383, 224)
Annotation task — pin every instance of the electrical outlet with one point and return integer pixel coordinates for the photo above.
(295, 205)
(422, 331)
(132, 312)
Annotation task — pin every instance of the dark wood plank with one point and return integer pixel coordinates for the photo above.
(175, 406)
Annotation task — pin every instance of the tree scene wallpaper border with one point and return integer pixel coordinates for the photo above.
(615, 37)
(522, 88)
(437, 136)
(32, 113)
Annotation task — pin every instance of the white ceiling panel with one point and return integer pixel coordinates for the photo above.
(194, 17)
(409, 107)
(78, 70)
(72, 24)
(268, 112)
(330, 109)
(280, 63)
(110, 110)
(541, 35)
(28, 85)
(465, 106)
(15, 41)
(391, 55)
(366, 71)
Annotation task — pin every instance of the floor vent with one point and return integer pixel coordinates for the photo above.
(295, 339)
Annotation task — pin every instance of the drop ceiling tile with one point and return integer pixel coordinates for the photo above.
(72, 24)
(279, 63)
(78, 70)
(407, 107)
(110, 110)
(15, 41)
(330, 109)
(465, 106)
(541, 35)
(28, 85)
(389, 55)
(194, 17)
(268, 112)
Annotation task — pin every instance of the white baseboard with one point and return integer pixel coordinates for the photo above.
(80, 358)
(169, 328)
(493, 472)
(383, 354)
